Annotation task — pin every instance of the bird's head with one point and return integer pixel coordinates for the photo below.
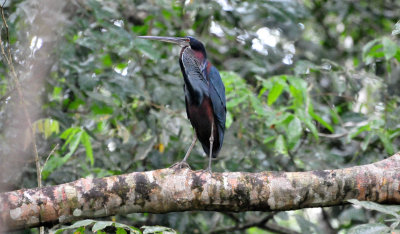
(188, 41)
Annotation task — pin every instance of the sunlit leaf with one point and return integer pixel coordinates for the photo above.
(100, 225)
(396, 29)
(294, 131)
(85, 139)
(76, 139)
(77, 224)
(107, 60)
(306, 119)
(359, 130)
(47, 127)
(121, 231)
(371, 228)
(280, 145)
(69, 135)
(157, 229)
(274, 93)
(229, 119)
(387, 209)
(389, 48)
(366, 49)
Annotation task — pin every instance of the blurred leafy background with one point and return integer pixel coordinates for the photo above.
(310, 84)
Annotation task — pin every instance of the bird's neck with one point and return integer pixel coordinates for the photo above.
(196, 86)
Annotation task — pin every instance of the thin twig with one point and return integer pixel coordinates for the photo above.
(333, 136)
(51, 152)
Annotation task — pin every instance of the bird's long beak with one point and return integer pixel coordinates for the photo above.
(182, 41)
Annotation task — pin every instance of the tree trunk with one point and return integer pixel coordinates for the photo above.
(166, 190)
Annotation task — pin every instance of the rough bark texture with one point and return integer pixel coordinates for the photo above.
(166, 190)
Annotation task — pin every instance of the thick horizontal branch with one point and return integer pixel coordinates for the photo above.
(166, 190)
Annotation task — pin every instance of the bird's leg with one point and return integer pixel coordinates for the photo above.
(211, 147)
(183, 162)
(190, 149)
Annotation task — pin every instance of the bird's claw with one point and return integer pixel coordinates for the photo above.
(180, 165)
(207, 170)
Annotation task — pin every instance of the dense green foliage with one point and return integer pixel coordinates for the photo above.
(310, 85)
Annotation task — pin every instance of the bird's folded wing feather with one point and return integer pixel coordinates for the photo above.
(217, 95)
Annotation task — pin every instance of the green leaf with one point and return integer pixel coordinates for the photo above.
(46, 126)
(319, 119)
(101, 109)
(121, 231)
(275, 92)
(371, 228)
(126, 227)
(85, 139)
(367, 47)
(386, 209)
(121, 66)
(235, 101)
(57, 93)
(106, 59)
(396, 29)
(384, 137)
(268, 139)
(68, 135)
(360, 129)
(53, 163)
(257, 105)
(389, 48)
(229, 119)
(100, 225)
(364, 145)
(76, 138)
(68, 132)
(300, 113)
(157, 229)
(81, 223)
(281, 118)
(255, 230)
(294, 131)
(280, 145)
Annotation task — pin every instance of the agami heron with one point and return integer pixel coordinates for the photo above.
(204, 95)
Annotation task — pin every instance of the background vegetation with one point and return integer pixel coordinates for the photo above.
(310, 85)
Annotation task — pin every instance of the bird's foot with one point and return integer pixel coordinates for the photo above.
(208, 170)
(180, 165)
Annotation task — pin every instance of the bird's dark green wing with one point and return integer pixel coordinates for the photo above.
(217, 95)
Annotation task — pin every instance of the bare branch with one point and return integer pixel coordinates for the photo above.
(166, 190)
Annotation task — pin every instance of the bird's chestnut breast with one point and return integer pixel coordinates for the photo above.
(201, 118)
